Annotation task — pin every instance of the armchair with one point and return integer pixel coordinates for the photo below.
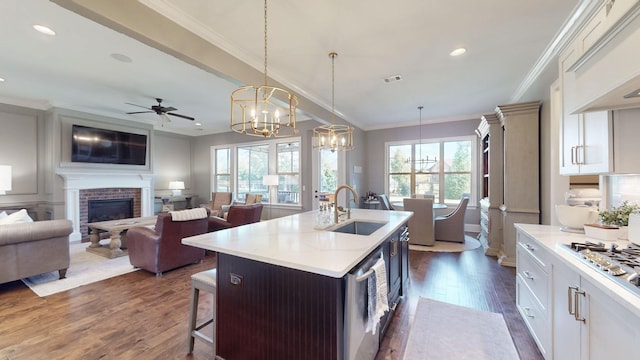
(421, 223)
(161, 249)
(450, 227)
(250, 198)
(219, 200)
(236, 216)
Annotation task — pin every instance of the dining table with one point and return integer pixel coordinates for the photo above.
(399, 205)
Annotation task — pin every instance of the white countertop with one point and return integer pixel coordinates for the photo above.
(552, 238)
(293, 242)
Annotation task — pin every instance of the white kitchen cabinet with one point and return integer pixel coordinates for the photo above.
(585, 138)
(587, 323)
(568, 331)
(586, 143)
(533, 289)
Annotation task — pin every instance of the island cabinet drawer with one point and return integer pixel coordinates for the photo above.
(533, 276)
(535, 250)
(536, 318)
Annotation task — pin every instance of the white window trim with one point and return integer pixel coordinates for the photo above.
(273, 164)
(473, 200)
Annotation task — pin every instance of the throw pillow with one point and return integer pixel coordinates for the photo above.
(20, 216)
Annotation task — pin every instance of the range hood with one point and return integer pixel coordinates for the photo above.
(607, 75)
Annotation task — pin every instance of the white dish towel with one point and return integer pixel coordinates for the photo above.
(378, 303)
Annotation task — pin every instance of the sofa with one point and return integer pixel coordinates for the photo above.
(34, 248)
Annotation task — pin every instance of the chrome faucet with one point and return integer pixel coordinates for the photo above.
(335, 208)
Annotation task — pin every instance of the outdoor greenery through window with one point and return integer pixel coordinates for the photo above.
(241, 168)
(442, 168)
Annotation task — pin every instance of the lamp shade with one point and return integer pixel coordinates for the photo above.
(176, 185)
(5, 179)
(270, 180)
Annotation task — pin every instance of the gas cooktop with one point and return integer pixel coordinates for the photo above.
(620, 264)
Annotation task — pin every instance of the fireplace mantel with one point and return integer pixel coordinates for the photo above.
(74, 182)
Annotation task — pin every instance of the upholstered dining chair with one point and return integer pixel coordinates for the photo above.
(160, 249)
(450, 227)
(421, 228)
(236, 216)
(384, 202)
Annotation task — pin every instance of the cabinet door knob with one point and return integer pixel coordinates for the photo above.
(527, 312)
(527, 275)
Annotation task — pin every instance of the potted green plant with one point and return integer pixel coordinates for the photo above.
(619, 216)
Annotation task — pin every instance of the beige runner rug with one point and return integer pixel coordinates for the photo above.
(85, 268)
(445, 331)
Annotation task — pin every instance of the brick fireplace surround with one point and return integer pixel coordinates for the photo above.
(76, 185)
(87, 195)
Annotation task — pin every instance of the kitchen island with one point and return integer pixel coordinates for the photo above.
(282, 283)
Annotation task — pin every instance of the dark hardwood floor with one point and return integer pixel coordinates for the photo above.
(139, 316)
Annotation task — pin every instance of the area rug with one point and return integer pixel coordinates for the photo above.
(446, 246)
(85, 268)
(446, 331)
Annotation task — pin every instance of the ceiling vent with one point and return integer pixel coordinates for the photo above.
(393, 78)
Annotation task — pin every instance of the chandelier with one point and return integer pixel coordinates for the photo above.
(420, 163)
(333, 137)
(263, 110)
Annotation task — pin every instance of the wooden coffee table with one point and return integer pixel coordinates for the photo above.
(116, 228)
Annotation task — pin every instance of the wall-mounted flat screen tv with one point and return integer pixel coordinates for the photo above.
(93, 145)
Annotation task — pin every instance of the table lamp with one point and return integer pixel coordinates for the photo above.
(176, 187)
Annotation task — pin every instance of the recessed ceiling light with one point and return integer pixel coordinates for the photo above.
(633, 94)
(43, 29)
(458, 52)
(197, 124)
(121, 57)
(1, 79)
(393, 78)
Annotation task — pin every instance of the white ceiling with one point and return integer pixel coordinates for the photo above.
(507, 42)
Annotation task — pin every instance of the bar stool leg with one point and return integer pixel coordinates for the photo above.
(193, 315)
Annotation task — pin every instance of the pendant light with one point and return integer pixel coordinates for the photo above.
(263, 110)
(419, 161)
(335, 136)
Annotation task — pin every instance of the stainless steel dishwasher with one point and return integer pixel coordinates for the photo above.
(359, 344)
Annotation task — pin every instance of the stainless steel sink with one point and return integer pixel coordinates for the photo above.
(358, 227)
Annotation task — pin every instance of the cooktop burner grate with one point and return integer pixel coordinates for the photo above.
(620, 265)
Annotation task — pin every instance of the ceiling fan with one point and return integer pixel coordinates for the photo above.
(162, 111)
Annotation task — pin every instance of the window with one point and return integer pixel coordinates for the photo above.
(241, 168)
(328, 171)
(288, 172)
(442, 168)
(222, 170)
